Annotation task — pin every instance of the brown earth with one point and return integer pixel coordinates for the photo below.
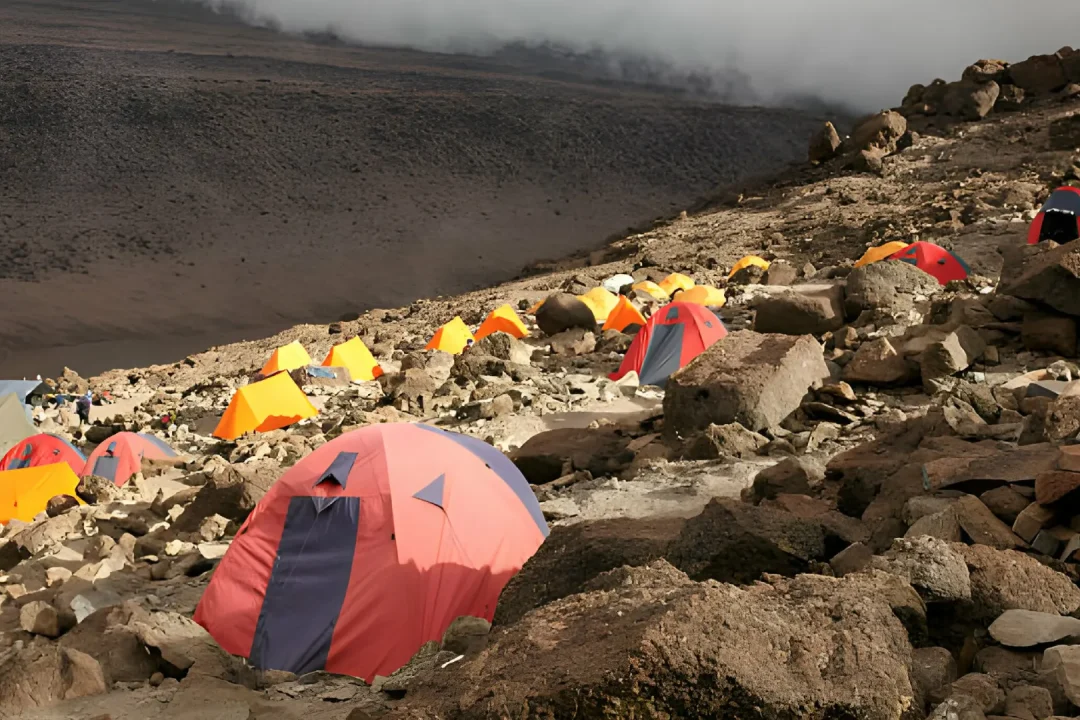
(173, 179)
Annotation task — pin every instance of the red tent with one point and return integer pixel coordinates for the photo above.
(121, 456)
(934, 260)
(368, 548)
(1059, 218)
(43, 449)
(675, 334)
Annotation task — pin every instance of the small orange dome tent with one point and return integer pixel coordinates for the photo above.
(676, 281)
(502, 319)
(624, 315)
(747, 262)
(354, 356)
(265, 405)
(705, 295)
(453, 337)
(601, 302)
(651, 288)
(881, 252)
(25, 492)
(287, 357)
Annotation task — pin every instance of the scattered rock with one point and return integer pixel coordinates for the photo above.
(561, 312)
(878, 363)
(970, 100)
(790, 475)
(750, 378)
(1064, 662)
(550, 455)
(824, 144)
(1029, 702)
(932, 668)
(1039, 74)
(717, 441)
(40, 618)
(1052, 333)
(982, 688)
(60, 504)
(1008, 580)
(887, 286)
(466, 635)
(931, 566)
(880, 131)
(979, 524)
(1028, 628)
(803, 310)
(954, 352)
(576, 341)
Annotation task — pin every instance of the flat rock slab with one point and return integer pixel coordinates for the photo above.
(750, 378)
(982, 526)
(1027, 628)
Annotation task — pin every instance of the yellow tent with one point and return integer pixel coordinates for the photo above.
(747, 262)
(265, 405)
(648, 286)
(287, 357)
(502, 319)
(356, 358)
(624, 315)
(601, 302)
(705, 295)
(25, 493)
(880, 253)
(453, 337)
(676, 281)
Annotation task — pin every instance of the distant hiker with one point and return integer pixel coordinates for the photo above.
(82, 406)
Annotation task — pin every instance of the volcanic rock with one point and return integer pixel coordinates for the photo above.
(563, 311)
(932, 567)
(1052, 333)
(790, 475)
(1028, 628)
(878, 363)
(552, 454)
(802, 310)
(573, 555)
(717, 441)
(750, 378)
(777, 655)
(1039, 74)
(576, 341)
(880, 131)
(824, 144)
(979, 524)
(886, 285)
(40, 618)
(969, 100)
(1008, 580)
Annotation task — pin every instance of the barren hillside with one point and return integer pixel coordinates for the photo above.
(195, 180)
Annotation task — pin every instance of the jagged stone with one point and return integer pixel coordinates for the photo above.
(932, 567)
(754, 379)
(1005, 580)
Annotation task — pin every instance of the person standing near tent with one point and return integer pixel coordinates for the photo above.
(82, 405)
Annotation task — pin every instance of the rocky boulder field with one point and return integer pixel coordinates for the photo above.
(864, 502)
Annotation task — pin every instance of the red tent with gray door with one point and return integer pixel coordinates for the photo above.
(121, 456)
(43, 449)
(1059, 218)
(933, 260)
(675, 334)
(370, 547)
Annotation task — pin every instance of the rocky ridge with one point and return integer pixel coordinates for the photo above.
(877, 518)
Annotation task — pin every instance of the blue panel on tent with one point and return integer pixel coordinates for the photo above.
(663, 355)
(307, 586)
(432, 492)
(339, 469)
(107, 467)
(504, 468)
(161, 444)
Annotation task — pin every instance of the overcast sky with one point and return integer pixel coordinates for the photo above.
(861, 52)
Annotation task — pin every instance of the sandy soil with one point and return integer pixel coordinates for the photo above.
(173, 179)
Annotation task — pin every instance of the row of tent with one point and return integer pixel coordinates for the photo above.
(42, 466)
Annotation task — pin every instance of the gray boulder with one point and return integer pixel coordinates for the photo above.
(563, 311)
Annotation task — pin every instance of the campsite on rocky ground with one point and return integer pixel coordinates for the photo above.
(808, 449)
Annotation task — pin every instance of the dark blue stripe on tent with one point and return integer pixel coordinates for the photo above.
(307, 586)
(106, 466)
(663, 354)
(504, 468)
(339, 469)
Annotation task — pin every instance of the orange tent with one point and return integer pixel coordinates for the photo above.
(705, 295)
(287, 357)
(647, 286)
(747, 262)
(265, 405)
(502, 319)
(624, 315)
(354, 357)
(881, 252)
(601, 302)
(676, 281)
(24, 493)
(453, 337)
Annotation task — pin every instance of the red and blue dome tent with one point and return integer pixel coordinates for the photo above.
(121, 456)
(43, 449)
(933, 260)
(1059, 218)
(368, 548)
(675, 334)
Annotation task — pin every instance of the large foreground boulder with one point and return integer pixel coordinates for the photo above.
(44, 675)
(650, 643)
(751, 378)
(575, 554)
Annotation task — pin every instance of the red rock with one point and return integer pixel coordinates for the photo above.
(1053, 485)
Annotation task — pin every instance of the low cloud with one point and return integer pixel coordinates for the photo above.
(860, 53)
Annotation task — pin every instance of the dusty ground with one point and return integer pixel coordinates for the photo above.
(173, 179)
